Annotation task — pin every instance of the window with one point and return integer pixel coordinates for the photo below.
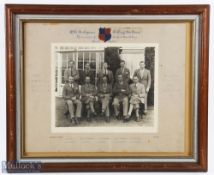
(86, 57)
(81, 57)
(66, 58)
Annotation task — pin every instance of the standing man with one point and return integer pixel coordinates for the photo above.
(124, 71)
(137, 96)
(121, 92)
(104, 94)
(105, 72)
(87, 72)
(88, 92)
(144, 77)
(71, 71)
(71, 96)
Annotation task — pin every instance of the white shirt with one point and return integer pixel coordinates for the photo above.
(141, 73)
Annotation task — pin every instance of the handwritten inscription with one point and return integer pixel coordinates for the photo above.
(117, 33)
(83, 33)
(38, 84)
(126, 32)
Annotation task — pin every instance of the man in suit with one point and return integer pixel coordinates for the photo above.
(87, 72)
(137, 96)
(144, 77)
(105, 72)
(71, 96)
(104, 94)
(89, 92)
(71, 71)
(121, 91)
(124, 71)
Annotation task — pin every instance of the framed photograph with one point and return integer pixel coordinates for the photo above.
(107, 88)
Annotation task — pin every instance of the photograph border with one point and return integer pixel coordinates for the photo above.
(200, 10)
(101, 129)
(190, 141)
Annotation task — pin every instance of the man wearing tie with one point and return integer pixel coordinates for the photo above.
(144, 77)
(121, 92)
(137, 96)
(71, 96)
(88, 92)
(124, 71)
(105, 72)
(104, 94)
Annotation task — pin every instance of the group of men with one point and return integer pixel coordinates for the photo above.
(125, 94)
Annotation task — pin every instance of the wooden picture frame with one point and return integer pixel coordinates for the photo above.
(200, 133)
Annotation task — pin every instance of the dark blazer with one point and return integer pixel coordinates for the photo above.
(109, 76)
(89, 73)
(70, 91)
(125, 73)
(121, 90)
(104, 89)
(145, 79)
(88, 90)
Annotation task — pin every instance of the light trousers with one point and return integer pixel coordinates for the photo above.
(105, 105)
(125, 103)
(71, 109)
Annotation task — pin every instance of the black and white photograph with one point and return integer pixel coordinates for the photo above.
(104, 85)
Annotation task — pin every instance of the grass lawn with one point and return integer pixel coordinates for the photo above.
(63, 121)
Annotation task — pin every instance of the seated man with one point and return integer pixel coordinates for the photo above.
(88, 92)
(71, 96)
(104, 94)
(121, 92)
(144, 77)
(137, 97)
